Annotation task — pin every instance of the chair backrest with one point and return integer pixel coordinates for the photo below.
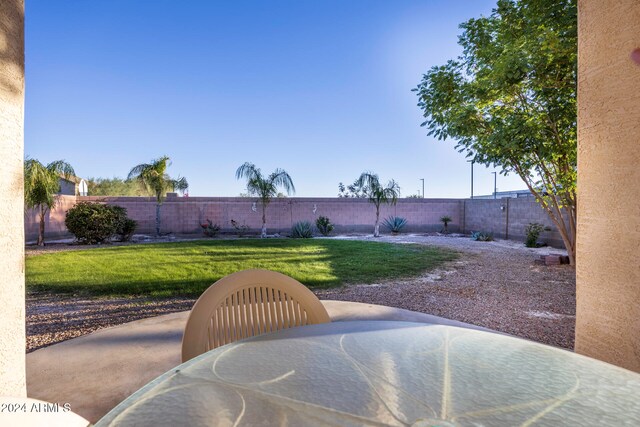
(245, 304)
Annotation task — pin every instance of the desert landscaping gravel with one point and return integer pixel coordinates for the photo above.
(493, 284)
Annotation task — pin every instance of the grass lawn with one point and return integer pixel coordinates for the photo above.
(188, 268)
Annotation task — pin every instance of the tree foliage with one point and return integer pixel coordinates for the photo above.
(154, 178)
(41, 183)
(115, 187)
(510, 100)
(265, 187)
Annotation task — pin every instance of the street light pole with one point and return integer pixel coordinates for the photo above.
(472, 162)
(422, 179)
(495, 180)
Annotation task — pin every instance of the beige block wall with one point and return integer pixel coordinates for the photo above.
(54, 220)
(608, 240)
(184, 215)
(12, 327)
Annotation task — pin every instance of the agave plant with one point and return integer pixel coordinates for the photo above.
(301, 230)
(395, 223)
(481, 236)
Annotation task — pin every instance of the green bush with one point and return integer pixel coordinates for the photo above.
(94, 223)
(125, 226)
(324, 226)
(481, 236)
(241, 229)
(301, 230)
(533, 231)
(210, 229)
(395, 223)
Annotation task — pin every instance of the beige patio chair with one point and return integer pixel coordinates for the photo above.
(245, 304)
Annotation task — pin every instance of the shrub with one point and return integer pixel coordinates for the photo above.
(324, 226)
(445, 220)
(533, 230)
(301, 230)
(481, 236)
(395, 223)
(210, 229)
(95, 222)
(241, 229)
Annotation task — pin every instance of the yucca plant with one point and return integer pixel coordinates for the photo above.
(445, 220)
(301, 230)
(395, 223)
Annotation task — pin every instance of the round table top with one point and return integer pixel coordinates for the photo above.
(386, 373)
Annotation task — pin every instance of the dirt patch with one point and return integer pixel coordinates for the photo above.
(492, 284)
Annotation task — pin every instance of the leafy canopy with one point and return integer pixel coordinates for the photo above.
(154, 178)
(41, 183)
(265, 187)
(376, 192)
(510, 99)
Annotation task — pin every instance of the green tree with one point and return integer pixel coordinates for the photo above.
(41, 183)
(510, 100)
(114, 187)
(378, 194)
(265, 188)
(154, 178)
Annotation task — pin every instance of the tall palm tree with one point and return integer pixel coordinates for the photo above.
(265, 188)
(154, 178)
(378, 194)
(41, 183)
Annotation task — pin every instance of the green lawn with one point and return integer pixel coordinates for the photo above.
(188, 268)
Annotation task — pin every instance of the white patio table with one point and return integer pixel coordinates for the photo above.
(385, 373)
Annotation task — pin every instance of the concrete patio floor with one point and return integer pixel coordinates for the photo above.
(95, 372)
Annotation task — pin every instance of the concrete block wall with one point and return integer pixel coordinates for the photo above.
(54, 220)
(184, 215)
(505, 218)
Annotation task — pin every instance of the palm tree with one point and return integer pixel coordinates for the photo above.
(41, 183)
(264, 188)
(154, 178)
(378, 194)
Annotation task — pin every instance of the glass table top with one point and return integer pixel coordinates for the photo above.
(386, 373)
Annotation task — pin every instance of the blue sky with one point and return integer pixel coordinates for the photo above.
(319, 88)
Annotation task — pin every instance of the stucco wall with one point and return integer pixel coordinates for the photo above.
(12, 327)
(608, 239)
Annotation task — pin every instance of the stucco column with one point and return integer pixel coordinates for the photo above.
(12, 326)
(608, 236)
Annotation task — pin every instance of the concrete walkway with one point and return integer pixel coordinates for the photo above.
(95, 372)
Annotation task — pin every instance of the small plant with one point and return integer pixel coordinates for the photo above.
(445, 220)
(210, 229)
(533, 231)
(395, 223)
(324, 226)
(241, 229)
(481, 236)
(301, 230)
(96, 222)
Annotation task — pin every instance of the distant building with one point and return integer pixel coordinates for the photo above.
(74, 186)
(515, 194)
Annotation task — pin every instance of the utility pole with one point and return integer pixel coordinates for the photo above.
(422, 179)
(472, 162)
(495, 180)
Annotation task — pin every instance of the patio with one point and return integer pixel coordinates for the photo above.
(95, 372)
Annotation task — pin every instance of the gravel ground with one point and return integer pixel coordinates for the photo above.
(492, 284)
